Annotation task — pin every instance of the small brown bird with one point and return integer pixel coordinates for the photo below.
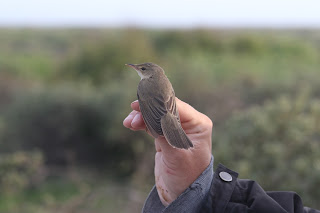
(158, 105)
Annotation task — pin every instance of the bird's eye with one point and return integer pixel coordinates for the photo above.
(143, 68)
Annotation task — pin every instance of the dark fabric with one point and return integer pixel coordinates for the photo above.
(247, 196)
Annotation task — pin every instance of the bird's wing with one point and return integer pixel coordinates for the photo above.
(152, 110)
(171, 126)
(161, 117)
(171, 106)
(174, 133)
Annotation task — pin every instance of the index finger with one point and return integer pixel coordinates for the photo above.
(135, 105)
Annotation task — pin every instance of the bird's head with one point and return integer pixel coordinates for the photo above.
(147, 70)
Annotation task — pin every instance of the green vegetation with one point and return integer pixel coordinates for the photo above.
(65, 92)
(282, 138)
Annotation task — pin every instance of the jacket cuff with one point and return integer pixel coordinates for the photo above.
(191, 200)
(223, 184)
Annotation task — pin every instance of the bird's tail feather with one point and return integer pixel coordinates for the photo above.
(174, 133)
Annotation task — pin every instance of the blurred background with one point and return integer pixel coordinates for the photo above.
(251, 66)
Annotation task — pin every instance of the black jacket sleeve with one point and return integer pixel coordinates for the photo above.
(230, 194)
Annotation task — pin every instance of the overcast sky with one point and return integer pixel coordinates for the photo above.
(161, 13)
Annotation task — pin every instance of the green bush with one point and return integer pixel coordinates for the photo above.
(277, 144)
(102, 62)
(19, 170)
(72, 127)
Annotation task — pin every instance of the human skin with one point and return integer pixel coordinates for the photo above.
(176, 169)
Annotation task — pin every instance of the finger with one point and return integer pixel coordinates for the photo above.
(137, 122)
(187, 113)
(128, 120)
(134, 121)
(135, 105)
(191, 118)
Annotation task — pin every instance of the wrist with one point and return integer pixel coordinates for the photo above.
(190, 200)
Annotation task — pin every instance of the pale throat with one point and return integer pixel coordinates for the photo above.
(141, 76)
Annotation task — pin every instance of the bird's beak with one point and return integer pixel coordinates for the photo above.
(132, 65)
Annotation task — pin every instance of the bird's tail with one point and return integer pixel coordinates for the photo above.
(174, 133)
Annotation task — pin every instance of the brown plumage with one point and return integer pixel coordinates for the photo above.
(158, 105)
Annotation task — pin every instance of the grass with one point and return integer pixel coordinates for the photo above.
(49, 194)
(66, 195)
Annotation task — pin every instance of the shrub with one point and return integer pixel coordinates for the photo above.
(19, 170)
(72, 127)
(277, 144)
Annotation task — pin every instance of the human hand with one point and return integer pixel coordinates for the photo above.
(176, 169)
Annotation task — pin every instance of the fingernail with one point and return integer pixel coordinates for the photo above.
(136, 119)
(130, 116)
(136, 101)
